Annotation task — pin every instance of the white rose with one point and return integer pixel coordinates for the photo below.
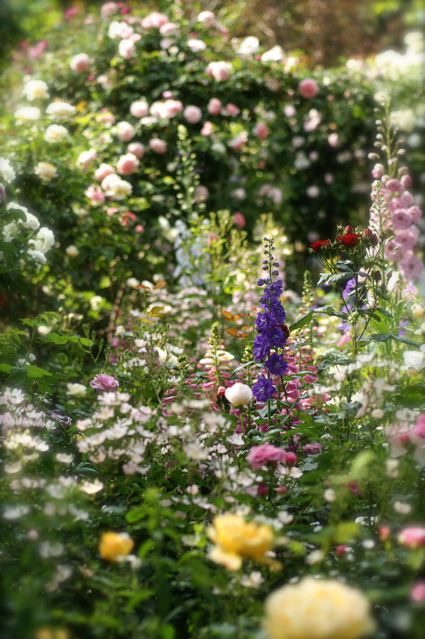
(37, 256)
(238, 395)
(60, 110)
(6, 170)
(248, 46)
(55, 133)
(115, 187)
(72, 251)
(275, 54)
(35, 90)
(46, 171)
(414, 359)
(27, 114)
(43, 241)
(76, 390)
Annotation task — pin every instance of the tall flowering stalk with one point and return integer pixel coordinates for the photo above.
(271, 330)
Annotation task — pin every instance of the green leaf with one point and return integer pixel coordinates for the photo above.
(35, 372)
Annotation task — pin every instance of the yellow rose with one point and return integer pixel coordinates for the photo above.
(113, 546)
(235, 538)
(317, 609)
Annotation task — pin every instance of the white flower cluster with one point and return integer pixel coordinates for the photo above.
(30, 241)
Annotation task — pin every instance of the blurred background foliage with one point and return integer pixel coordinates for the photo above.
(326, 30)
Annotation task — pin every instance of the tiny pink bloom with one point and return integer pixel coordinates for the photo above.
(136, 148)
(239, 141)
(127, 164)
(103, 171)
(393, 185)
(412, 537)
(407, 238)
(158, 146)
(261, 130)
(406, 181)
(95, 194)
(192, 114)
(154, 20)
(239, 220)
(214, 106)
(139, 108)
(378, 171)
(207, 129)
(407, 199)
(401, 219)
(415, 214)
(417, 593)
(232, 110)
(125, 131)
(308, 88)
(80, 62)
(108, 9)
(104, 382)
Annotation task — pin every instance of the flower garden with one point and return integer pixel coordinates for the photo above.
(212, 329)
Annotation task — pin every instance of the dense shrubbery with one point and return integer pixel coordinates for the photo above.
(199, 439)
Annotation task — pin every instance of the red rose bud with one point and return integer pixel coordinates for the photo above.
(370, 236)
(220, 391)
(348, 229)
(319, 245)
(348, 239)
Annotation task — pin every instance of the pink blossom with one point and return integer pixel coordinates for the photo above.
(219, 70)
(406, 181)
(192, 114)
(393, 251)
(166, 109)
(95, 194)
(393, 185)
(108, 9)
(158, 146)
(214, 106)
(261, 130)
(86, 158)
(104, 382)
(80, 62)
(415, 214)
(139, 108)
(127, 164)
(401, 219)
(308, 88)
(136, 148)
(417, 593)
(170, 28)
(154, 20)
(127, 48)
(406, 199)
(239, 141)
(125, 131)
(206, 18)
(207, 128)
(378, 171)
(412, 537)
(411, 266)
(239, 220)
(232, 110)
(407, 238)
(264, 454)
(103, 171)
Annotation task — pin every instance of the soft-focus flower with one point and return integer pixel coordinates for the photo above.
(127, 48)
(139, 108)
(125, 131)
(214, 106)
(46, 171)
(206, 18)
(115, 187)
(86, 158)
(103, 171)
(104, 382)
(76, 390)
(80, 62)
(95, 194)
(27, 114)
(264, 454)
(113, 546)
(127, 164)
(219, 70)
(238, 395)
(6, 170)
(413, 537)
(158, 146)
(417, 593)
(248, 46)
(308, 88)
(60, 110)
(192, 114)
(235, 538)
(317, 609)
(55, 133)
(35, 90)
(136, 148)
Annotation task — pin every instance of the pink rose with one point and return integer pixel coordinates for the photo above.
(417, 593)
(95, 194)
(308, 88)
(127, 164)
(192, 114)
(137, 149)
(154, 20)
(127, 49)
(239, 220)
(264, 454)
(220, 70)
(214, 106)
(86, 158)
(103, 171)
(207, 129)
(206, 18)
(104, 382)
(80, 62)
(158, 146)
(412, 537)
(139, 109)
(232, 110)
(261, 130)
(108, 9)
(125, 131)
(239, 141)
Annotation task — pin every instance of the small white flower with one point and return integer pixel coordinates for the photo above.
(55, 133)
(76, 390)
(35, 90)
(46, 171)
(60, 110)
(6, 170)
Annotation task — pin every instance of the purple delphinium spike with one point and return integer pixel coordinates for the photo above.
(271, 333)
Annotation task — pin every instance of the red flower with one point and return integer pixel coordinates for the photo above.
(348, 239)
(319, 245)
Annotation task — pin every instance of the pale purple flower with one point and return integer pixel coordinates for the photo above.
(104, 382)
